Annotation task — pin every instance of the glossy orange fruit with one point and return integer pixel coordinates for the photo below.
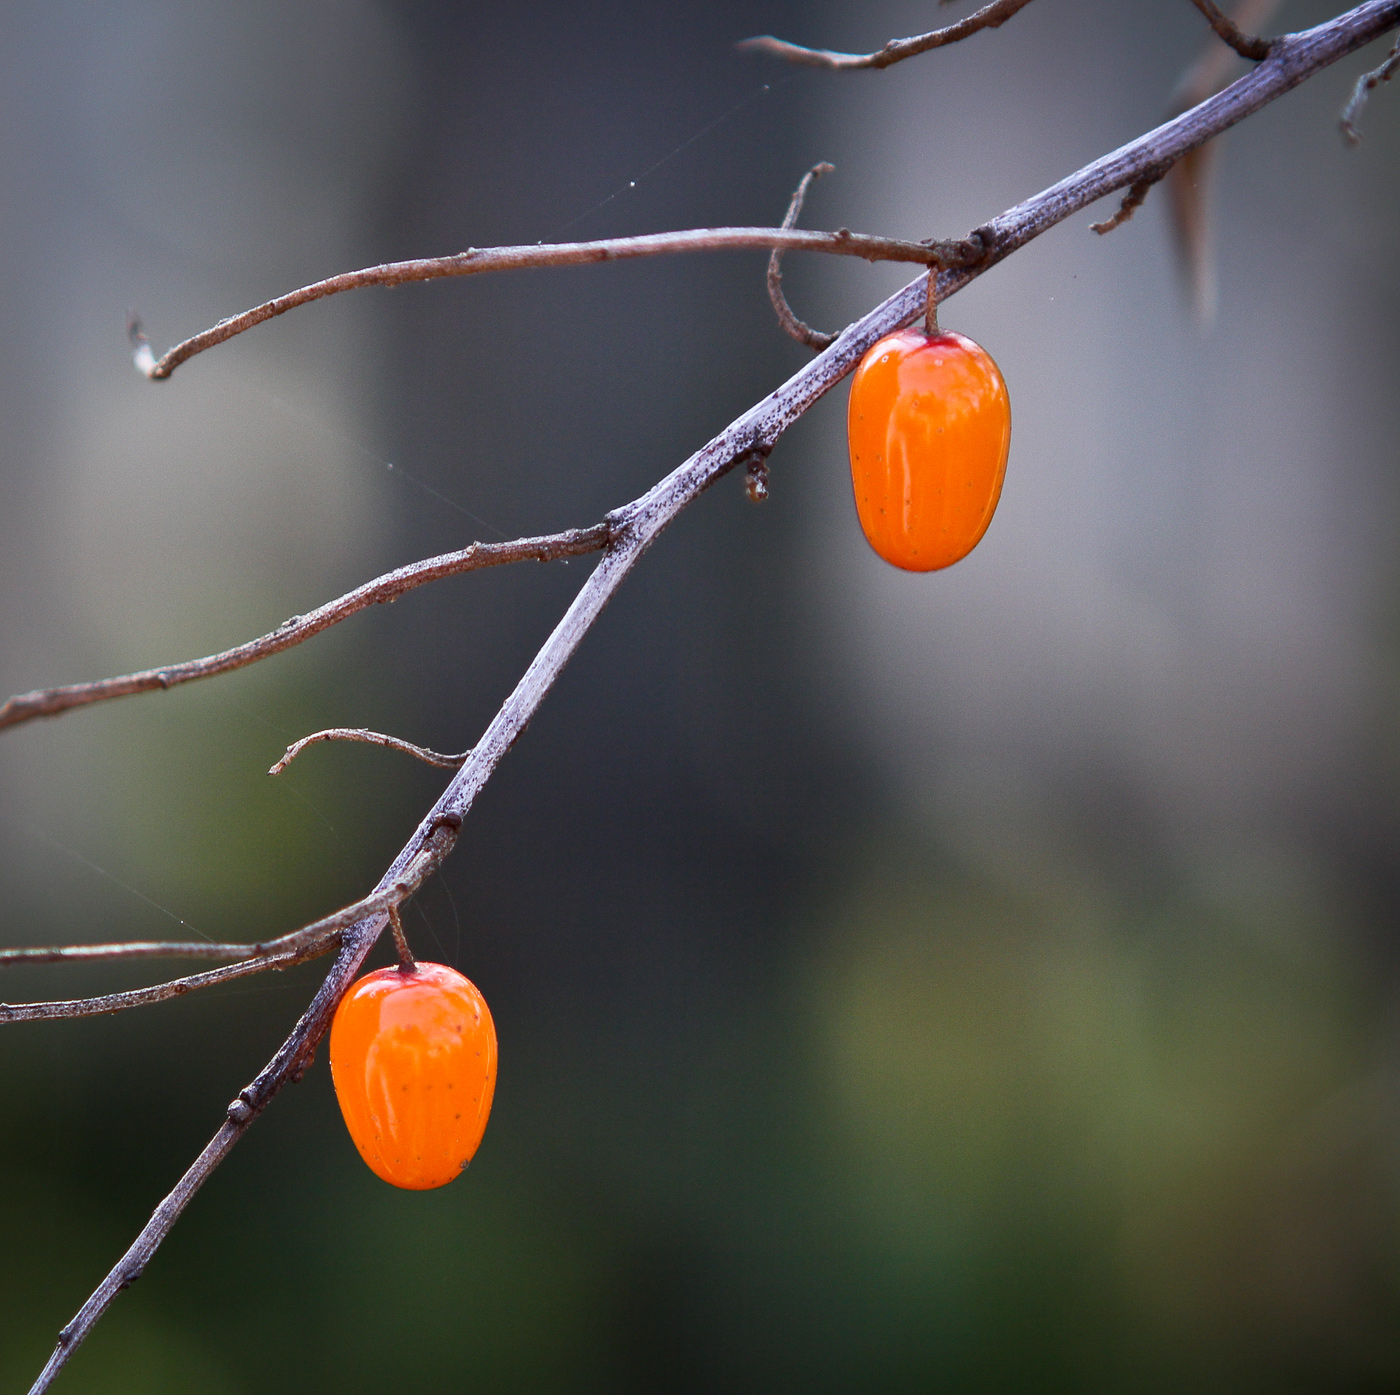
(929, 427)
(413, 1058)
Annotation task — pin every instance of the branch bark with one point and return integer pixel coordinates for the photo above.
(636, 526)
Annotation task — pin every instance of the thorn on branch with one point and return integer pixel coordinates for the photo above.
(792, 326)
(1188, 182)
(372, 738)
(1365, 84)
(1246, 45)
(1132, 200)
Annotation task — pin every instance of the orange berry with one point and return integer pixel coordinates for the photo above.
(413, 1058)
(929, 427)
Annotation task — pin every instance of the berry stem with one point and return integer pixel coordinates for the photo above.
(407, 964)
(931, 301)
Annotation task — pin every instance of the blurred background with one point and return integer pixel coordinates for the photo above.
(983, 981)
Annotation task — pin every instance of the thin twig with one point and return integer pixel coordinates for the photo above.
(1132, 201)
(372, 738)
(1365, 84)
(130, 949)
(476, 260)
(161, 992)
(49, 702)
(792, 326)
(988, 17)
(1246, 45)
(378, 901)
(1293, 59)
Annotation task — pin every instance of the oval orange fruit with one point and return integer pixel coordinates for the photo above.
(929, 428)
(413, 1059)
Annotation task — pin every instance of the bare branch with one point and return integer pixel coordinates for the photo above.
(988, 17)
(477, 260)
(1246, 45)
(372, 738)
(1365, 84)
(1292, 60)
(49, 702)
(161, 992)
(797, 329)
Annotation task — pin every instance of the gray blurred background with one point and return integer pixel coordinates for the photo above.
(983, 981)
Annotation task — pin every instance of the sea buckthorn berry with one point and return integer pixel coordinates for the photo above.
(413, 1058)
(929, 427)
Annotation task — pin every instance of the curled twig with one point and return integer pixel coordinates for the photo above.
(49, 702)
(372, 738)
(797, 329)
(1246, 45)
(1132, 201)
(988, 17)
(1365, 84)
